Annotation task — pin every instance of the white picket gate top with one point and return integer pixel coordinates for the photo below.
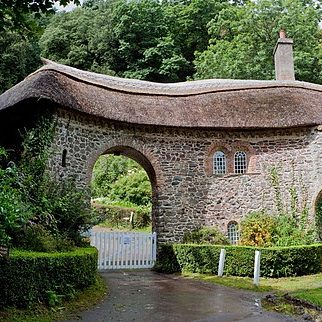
(124, 250)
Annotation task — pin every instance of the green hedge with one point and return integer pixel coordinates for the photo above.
(275, 261)
(30, 277)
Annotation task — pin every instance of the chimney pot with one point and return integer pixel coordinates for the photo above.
(282, 33)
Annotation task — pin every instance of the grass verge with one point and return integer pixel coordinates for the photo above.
(305, 288)
(312, 296)
(68, 309)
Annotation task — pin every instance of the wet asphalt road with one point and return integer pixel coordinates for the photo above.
(149, 296)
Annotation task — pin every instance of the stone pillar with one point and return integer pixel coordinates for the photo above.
(283, 57)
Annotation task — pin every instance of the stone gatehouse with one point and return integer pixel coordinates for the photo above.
(209, 147)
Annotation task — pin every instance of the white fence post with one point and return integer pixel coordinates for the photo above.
(257, 267)
(221, 262)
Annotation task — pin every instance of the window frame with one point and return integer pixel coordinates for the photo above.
(233, 233)
(219, 162)
(240, 165)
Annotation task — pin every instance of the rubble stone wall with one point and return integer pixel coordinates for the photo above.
(186, 194)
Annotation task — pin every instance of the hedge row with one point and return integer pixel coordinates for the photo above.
(30, 277)
(275, 261)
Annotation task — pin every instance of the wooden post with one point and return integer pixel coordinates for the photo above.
(257, 267)
(221, 262)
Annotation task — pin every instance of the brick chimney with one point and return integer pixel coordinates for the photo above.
(283, 57)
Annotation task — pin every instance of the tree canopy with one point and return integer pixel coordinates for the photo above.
(13, 13)
(162, 41)
(244, 36)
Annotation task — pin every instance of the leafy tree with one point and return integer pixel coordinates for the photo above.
(125, 38)
(134, 188)
(263, 230)
(13, 13)
(243, 38)
(188, 25)
(121, 179)
(19, 57)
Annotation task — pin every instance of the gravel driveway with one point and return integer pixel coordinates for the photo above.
(148, 296)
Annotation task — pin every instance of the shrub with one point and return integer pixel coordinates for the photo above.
(119, 215)
(28, 277)
(262, 230)
(275, 262)
(30, 198)
(207, 235)
(37, 238)
(142, 217)
(289, 232)
(14, 212)
(257, 229)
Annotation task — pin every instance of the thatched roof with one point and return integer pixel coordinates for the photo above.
(233, 104)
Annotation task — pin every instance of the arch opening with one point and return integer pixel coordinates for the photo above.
(123, 189)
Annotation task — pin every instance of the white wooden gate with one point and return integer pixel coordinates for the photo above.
(118, 250)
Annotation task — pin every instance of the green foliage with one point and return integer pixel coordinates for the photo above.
(121, 179)
(38, 212)
(290, 232)
(206, 235)
(244, 36)
(275, 261)
(13, 14)
(36, 237)
(257, 229)
(19, 56)
(263, 230)
(29, 278)
(290, 226)
(134, 188)
(146, 39)
(318, 218)
(69, 208)
(116, 215)
(14, 212)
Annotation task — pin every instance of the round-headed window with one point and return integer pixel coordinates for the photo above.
(233, 232)
(219, 163)
(240, 162)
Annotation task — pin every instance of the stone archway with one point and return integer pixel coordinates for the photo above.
(144, 162)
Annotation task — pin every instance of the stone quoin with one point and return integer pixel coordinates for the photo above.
(207, 146)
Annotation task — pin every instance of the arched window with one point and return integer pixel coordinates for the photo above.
(233, 232)
(240, 162)
(219, 165)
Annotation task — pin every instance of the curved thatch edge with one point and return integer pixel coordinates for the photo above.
(216, 104)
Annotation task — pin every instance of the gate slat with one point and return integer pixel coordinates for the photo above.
(117, 250)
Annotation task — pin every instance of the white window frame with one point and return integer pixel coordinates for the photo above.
(233, 232)
(219, 163)
(240, 162)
